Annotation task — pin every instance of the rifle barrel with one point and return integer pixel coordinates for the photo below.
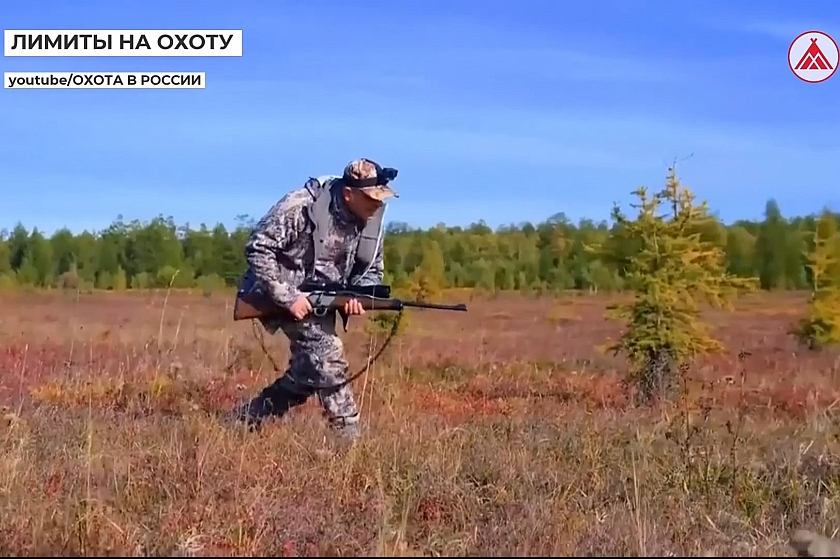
(458, 307)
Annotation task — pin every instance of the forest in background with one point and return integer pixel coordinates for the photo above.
(545, 256)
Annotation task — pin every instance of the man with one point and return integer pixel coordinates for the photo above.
(331, 230)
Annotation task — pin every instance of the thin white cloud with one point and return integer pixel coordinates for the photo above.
(550, 139)
(781, 30)
(439, 65)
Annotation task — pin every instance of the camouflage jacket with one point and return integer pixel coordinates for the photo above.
(280, 251)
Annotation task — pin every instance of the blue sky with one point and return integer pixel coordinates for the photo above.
(502, 111)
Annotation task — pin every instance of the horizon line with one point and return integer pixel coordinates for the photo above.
(247, 221)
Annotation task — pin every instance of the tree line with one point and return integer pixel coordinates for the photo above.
(551, 255)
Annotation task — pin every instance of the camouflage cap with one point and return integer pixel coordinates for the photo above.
(367, 176)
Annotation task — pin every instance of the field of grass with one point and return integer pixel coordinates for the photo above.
(501, 431)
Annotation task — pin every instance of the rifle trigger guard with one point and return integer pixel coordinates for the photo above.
(320, 312)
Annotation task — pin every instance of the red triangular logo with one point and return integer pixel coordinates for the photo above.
(813, 59)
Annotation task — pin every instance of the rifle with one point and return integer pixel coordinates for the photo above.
(323, 297)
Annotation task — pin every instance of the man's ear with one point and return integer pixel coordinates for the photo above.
(348, 194)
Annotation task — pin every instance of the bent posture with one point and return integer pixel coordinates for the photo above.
(329, 231)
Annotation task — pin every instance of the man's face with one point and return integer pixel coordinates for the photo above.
(360, 204)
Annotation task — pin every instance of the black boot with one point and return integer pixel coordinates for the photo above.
(275, 400)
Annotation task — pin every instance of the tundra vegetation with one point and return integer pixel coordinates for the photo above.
(663, 384)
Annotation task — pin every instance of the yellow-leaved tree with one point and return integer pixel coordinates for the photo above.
(821, 326)
(671, 272)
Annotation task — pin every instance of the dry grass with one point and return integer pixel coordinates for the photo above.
(503, 431)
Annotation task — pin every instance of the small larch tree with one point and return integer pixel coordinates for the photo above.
(671, 272)
(821, 326)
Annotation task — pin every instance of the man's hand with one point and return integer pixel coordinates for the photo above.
(353, 306)
(300, 308)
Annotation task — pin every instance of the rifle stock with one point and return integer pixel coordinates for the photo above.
(254, 305)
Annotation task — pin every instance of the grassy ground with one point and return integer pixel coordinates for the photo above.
(502, 431)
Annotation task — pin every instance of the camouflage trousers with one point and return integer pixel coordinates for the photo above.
(317, 358)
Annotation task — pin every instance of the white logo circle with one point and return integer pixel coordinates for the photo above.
(813, 56)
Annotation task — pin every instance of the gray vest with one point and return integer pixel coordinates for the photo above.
(322, 190)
